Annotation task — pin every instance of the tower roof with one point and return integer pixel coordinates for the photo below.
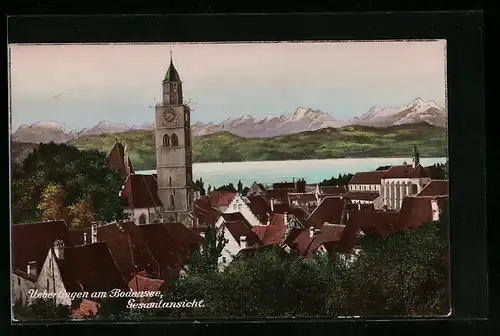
(172, 74)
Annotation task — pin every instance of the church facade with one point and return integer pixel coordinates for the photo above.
(174, 152)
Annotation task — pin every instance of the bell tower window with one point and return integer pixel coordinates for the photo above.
(166, 141)
(175, 140)
(172, 202)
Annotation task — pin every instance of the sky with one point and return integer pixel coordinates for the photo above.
(81, 85)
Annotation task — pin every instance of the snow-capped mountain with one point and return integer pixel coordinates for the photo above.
(304, 119)
(415, 112)
(248, 126)
(42, 132)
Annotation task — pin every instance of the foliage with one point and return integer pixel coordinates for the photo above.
(51, 206)
(228, 187)
(204, 260)
(40, 309)
(346, 142)
(245, 191)
(81, 213)
(342, 179)
(199, 182)
(240, 187)
(80, 173)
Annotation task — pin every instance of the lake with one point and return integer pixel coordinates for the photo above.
(268, 172)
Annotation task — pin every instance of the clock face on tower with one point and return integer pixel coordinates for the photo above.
(169, 114)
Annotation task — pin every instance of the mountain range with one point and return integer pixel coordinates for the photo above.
(248, 126)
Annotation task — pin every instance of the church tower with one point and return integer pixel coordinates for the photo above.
(173, 151)
(416, 156)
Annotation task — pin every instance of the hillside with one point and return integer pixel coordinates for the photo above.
(345, 142)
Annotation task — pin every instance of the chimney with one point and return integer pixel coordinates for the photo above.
(272, 204)
(85, 238)
(94, 233)
(32, 268)
(59, 249)
(243, 242)
(311, 231)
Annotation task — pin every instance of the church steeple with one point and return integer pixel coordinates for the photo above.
(172, 86)
(416, 156)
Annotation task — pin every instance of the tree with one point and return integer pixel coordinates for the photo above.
(209, 188)
(79, 172)
(199, 182)
(204, 260)
(245, 191)
(240, 187)
(81, 214)
(229, 188)
(51, 206)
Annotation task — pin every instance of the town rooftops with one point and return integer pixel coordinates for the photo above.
(302, 198)
(333, 190)
(90, 268)
(275, 230)
(221, 198)
(239, 228)
(375, 177)
(32, 242)
(329, 210)
(206, 214)
(141, 192)
(435, 188)
(362, 195)
(306, 244)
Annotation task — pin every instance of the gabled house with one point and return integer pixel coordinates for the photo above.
(307, 242)
(141, 195)
(205, 215)
(220, 200)
(239, 235)
(260, 208)
(86, 268)
(330, 210)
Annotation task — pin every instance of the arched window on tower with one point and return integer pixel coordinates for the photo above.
(170, 181)
(175, 140)
(142, 219)
(172, 202)
(166, 140)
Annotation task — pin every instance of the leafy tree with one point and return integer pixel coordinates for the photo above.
(229, 188)
(199, 182)
(51, 206)
(342, 179)
(209, 188)
(81, 213)
(204, 260)
(245, 191)
(240, 187)
(79, 172)
(40, 309)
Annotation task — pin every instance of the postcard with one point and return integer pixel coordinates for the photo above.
(252, 181)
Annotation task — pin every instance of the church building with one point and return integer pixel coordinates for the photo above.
(174, 152)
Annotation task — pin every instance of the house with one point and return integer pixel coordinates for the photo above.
(86, 268)
(170, 245)
(141, 195)
(330, 210)
(306, 201)
(205, 215)
(126, 244)
(330, 190)
(239, 235)
(256, 189)
(30, 245)
(309, 241)
(220, 200)
(435, 188)
(277, 196)
(366, 197)
(295, 214)
(260, 208)
(242, 205)
(119, 161)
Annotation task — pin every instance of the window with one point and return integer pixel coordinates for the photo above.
(166, 141)
(175, 140)
(142, 219)
(224, 260)
(172, 202)
(414, 189)
(170, 181)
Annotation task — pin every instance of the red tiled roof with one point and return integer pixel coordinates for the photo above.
(221, 198)
(435, 188)
(170, 244)
(32, 242)
(116, 236)
(145, 284)
(406, 171)
(275, 230)
(292, 235)
(302, 198)
(259, 207)
(87, 308)
(280, 195)
(141, 191)
(329, 210)
(90, 268)
(301, 242)
(415, 211)
(239, 228)
(373, 177)
(206, 214)
(297, 212)
(333, 190)
(328, 235)
(260, 230)
(116, 160)
(362, 195)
